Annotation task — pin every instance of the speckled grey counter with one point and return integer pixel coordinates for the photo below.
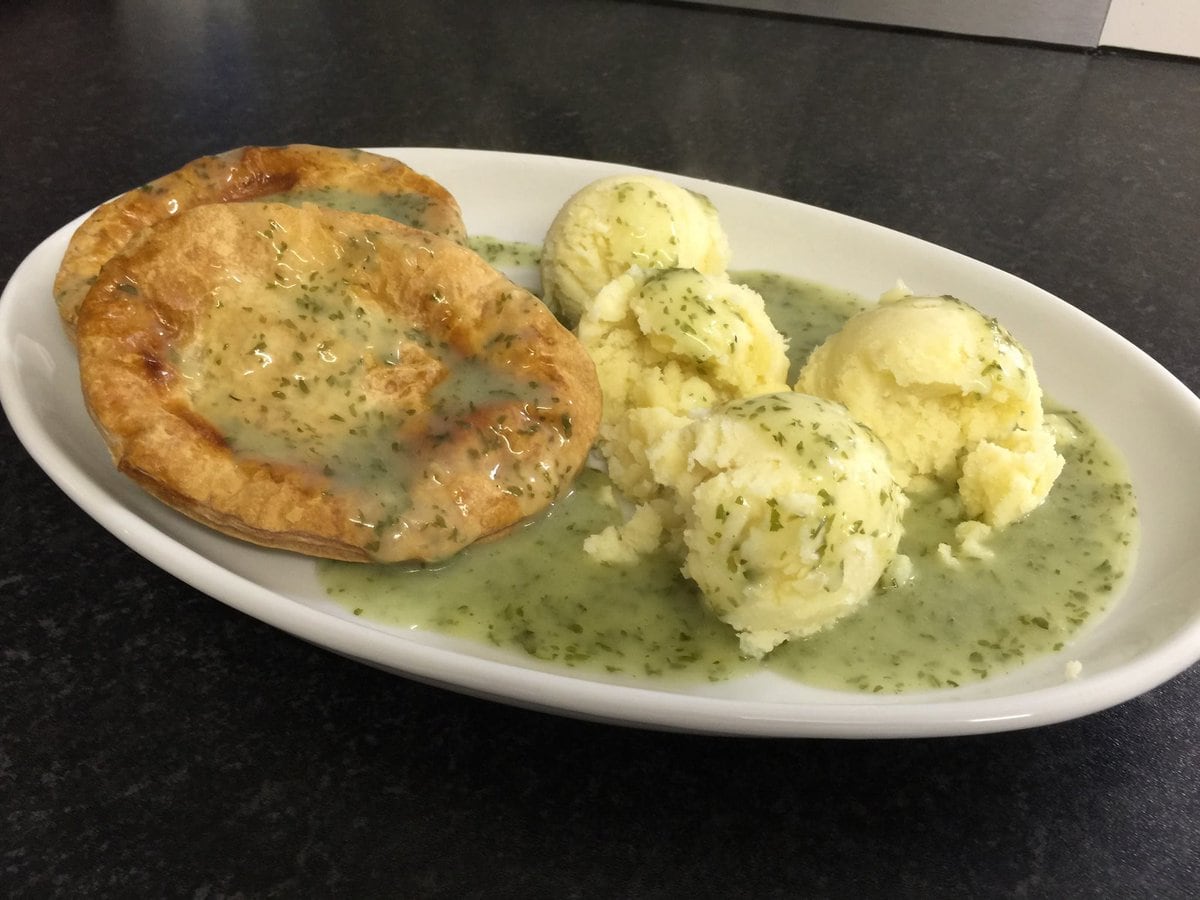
(155, 743)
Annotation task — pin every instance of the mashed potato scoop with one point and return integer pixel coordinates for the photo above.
(623, 221)
(951, 393)
(681, 340)
(790, 513)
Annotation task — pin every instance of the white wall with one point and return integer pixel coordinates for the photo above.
(1161, 26)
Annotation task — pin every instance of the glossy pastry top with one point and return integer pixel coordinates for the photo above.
(334, 383)
(351, 180)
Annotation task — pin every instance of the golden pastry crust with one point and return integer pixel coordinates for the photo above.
(332, 383)
(251, 173)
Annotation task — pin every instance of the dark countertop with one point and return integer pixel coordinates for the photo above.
(154, 742)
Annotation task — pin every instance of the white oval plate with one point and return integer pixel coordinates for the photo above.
(1151, 634)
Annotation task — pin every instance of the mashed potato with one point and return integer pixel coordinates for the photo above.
(790, 513)
(669, 342)
(679, 340)
(623, 221)
(952, 395)
(628, 444)
(784, 507)
(1005, 480)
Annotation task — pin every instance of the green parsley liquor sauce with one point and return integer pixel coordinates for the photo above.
(408, 209)
(954, 622)
(506, 254)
